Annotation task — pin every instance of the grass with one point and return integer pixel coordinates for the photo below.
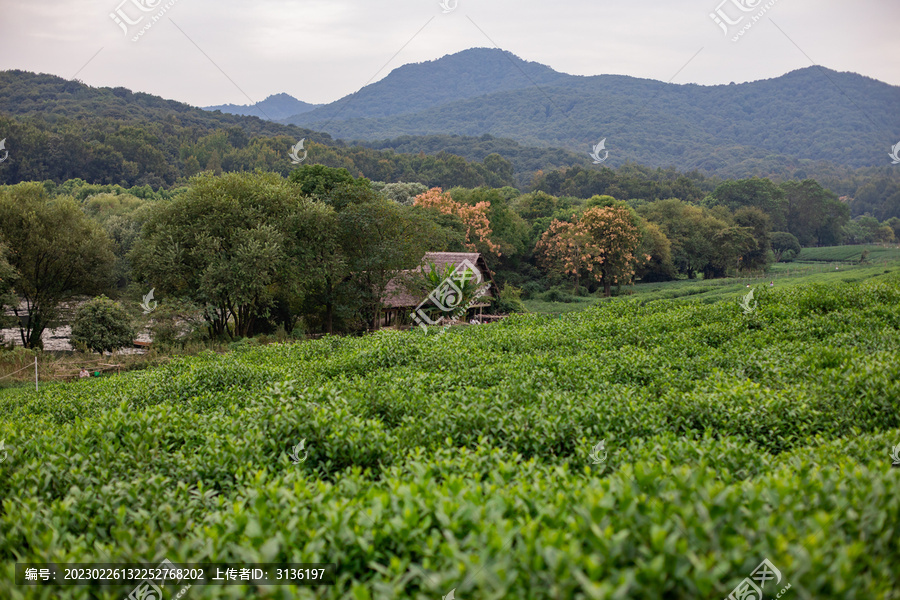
(838, 263)
(851, 253)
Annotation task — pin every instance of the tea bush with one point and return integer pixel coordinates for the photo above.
(464, 461)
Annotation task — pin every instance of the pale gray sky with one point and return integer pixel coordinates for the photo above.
(321, 50)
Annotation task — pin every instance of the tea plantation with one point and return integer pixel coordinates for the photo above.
(466, 462)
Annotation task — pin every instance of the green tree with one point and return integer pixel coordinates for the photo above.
(121, 216)
(320, 181)
(731, 245)
(379, 239)
(352, 247)
(318, 245)
(56, 250)
(401, 193)
(226, 245)
(855, 232)
(536, 205)
(814, 215)
(785, 245)
(691, 231)
(894, 224)
(760, 226)
(7, 280)
(657, 246)
(102, 325)
(500, 170)
(884, 235)
(752, 193)
(174, 322)
(510, 301)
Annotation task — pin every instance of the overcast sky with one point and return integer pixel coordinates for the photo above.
(206, 52)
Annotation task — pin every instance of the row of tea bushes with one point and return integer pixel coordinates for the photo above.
(465, 461)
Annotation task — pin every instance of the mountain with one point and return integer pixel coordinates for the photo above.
(810, 114)
(420, 86)
(273, 108)
(57, 130)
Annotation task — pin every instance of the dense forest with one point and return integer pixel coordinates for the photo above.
(244, 253)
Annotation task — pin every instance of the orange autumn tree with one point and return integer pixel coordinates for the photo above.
(602, 244)
(616, 229)
(568, 248)
(475, 218)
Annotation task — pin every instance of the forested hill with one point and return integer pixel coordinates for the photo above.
(60, 129)
(732, 130)
(420, 86)
(51, 97)
(57, 129)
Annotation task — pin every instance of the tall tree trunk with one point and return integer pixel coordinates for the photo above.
(32, 333)
(329, 317)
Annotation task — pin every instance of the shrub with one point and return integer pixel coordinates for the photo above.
(558, 294)
(782, 243)
(102, 326)
(510, 301)
(532, 289)
(176, 322)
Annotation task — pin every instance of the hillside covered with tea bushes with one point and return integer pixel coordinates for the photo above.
(463, 461)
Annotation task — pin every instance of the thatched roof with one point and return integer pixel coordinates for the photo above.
(396, 294)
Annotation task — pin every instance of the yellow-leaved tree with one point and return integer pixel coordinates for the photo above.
(602, 244)
(475, 218)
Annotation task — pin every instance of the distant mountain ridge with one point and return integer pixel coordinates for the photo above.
(273, 108)
(810, 114)
(420, 86)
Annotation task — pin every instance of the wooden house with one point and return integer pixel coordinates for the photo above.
(399, 301)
